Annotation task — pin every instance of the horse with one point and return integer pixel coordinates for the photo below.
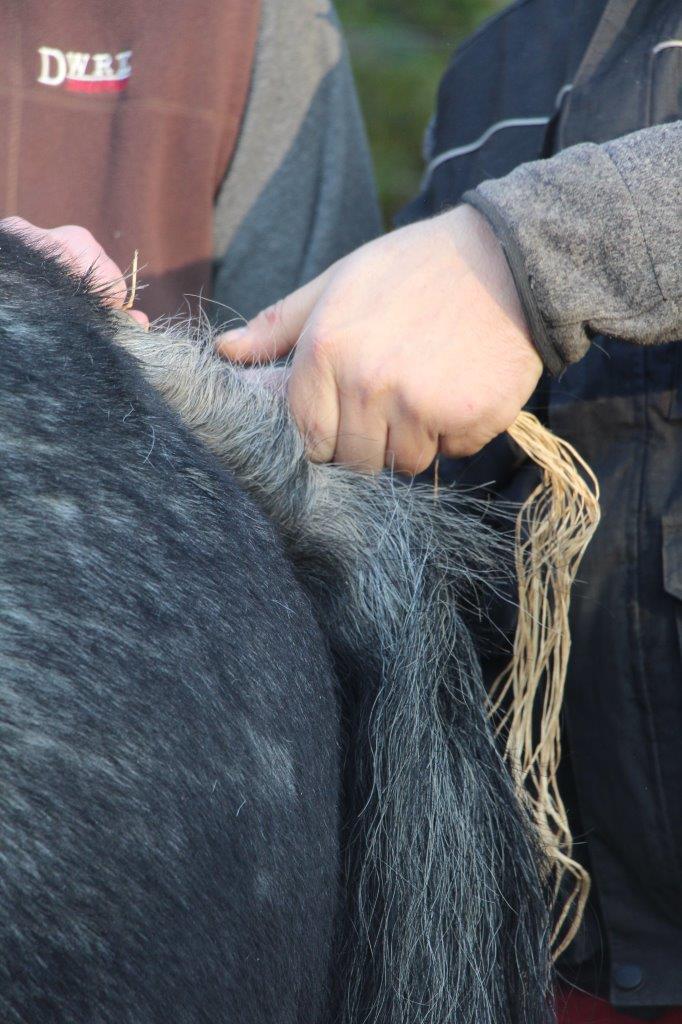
(246, 771)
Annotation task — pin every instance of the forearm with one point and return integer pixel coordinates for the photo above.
(594, 241)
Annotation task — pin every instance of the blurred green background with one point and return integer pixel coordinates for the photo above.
(399, 49)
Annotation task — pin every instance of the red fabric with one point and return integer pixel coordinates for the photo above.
(574, 1007)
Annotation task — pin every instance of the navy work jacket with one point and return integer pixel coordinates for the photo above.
(541, 76)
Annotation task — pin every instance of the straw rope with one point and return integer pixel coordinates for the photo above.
(553, 529)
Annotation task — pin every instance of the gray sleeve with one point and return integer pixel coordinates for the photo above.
(594, 241)
(300, 190)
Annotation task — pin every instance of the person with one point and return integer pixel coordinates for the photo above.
(558, 132)
(186, 131)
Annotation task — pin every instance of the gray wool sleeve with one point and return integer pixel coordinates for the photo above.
(593, 237)
(300, 192)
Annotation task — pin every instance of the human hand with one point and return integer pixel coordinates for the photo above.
(83, 253)
(412, 345)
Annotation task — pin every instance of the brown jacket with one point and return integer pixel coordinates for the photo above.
(123, 118)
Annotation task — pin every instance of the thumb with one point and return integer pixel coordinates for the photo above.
(275, 330)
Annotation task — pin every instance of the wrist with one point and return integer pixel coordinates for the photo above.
(537, 329)
(480, 248)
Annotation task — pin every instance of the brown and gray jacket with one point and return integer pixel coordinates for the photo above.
(191, 132)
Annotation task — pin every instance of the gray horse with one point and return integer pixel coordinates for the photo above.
(246, 773)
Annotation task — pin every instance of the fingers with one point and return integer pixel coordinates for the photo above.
(82, 251)
(409, 449)
(275, 330)
(367, 444)
(361, 438)
(88, 256)
(314, 402)
(365, 434)
(139, 317)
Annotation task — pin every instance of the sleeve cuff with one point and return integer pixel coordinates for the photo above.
(548, 352)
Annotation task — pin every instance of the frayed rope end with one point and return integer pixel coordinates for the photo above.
(554, 526)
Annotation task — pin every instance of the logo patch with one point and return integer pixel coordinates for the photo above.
(84, 72)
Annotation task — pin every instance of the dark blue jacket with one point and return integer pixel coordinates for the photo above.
(544, 75)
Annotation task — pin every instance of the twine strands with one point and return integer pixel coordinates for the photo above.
(553, 528)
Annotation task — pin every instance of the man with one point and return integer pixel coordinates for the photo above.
(432, 339)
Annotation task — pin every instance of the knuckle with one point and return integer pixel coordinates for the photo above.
(371, 382)
(411, 405)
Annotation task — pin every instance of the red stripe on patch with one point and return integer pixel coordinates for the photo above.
(105, 85)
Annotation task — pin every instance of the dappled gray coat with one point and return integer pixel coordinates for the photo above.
(245, 770)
